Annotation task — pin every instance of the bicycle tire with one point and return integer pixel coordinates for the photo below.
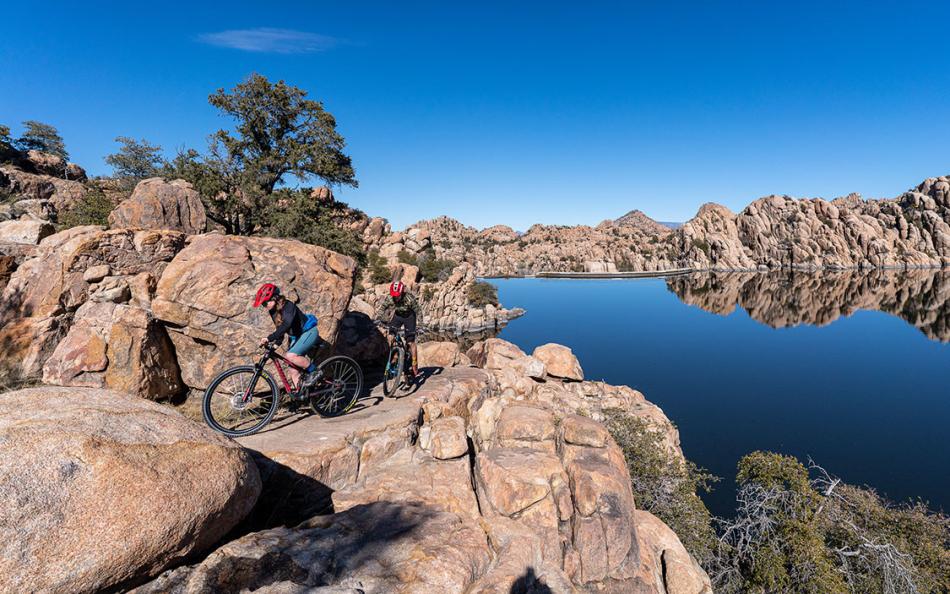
(392, 375)
(343, 378)
(269, 399)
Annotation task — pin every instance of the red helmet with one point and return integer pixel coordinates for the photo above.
(396, 289)
(267, 292)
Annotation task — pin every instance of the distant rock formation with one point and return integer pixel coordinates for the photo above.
(910, 231)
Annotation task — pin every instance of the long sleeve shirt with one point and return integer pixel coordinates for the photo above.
(292, 321)
(404, 307)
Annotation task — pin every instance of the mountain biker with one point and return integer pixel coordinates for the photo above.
(401, 308)
(291, 322)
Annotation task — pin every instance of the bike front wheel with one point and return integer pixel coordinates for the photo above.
(339, 385)
(240, 401)
(392, 375)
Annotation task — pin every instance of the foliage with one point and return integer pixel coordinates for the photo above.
(191, 167)
(379, 271)
(6, 144)
(481, 293)
(795, 533)
(774, 544)
(294, 214)
(405, 257)
(434, 269)
(92, 209)
(42, 137)
(702, 244)
(136, 160)
(665, 485)
(278, 131)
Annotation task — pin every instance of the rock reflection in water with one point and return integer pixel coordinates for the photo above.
(784, 299)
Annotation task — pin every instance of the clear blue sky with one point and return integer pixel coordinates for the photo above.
(550, 112)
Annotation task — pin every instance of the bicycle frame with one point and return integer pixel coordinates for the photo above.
(273, 355)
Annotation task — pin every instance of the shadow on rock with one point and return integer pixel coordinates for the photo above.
(375, 546)
(287, 497)
(529, 583)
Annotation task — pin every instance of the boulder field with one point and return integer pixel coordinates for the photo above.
(483, 480)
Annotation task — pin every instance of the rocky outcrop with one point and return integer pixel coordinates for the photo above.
(122, 347)
(912, 230)
(27, 231)
(158, 204)
(559, 361)
(98, 489)
(59, 193)
(43, 295)
(484, 480)
(204, 297)
(781, 300)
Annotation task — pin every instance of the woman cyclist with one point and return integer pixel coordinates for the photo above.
(291, 322)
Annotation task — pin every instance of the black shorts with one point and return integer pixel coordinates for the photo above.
(409, 322)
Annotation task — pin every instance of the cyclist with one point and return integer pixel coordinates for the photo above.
(290, 322)
(401, 308)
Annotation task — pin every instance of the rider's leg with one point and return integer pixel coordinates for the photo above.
(411, 338)
(300, 361)
(297, 354)
(415, 357)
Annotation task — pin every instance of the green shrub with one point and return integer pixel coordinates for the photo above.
(433, 269)
(799, 529)
(664, 485)
(702, 244)
(92, 209)
(481, 293)
(294, 214)
(379, 271)
(405, 257)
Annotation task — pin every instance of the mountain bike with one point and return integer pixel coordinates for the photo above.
(243, 399)
(398, 373)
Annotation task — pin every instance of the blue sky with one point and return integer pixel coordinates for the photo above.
(551, 112)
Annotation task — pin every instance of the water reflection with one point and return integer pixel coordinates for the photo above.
(784, 299)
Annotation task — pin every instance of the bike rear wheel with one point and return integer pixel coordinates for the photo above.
(339, 385)
(240, 401)
(392, 375)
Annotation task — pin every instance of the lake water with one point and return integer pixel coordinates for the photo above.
(850, 368)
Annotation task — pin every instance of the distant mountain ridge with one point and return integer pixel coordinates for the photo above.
(909, 231)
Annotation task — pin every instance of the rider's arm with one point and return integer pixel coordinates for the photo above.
(385, 312)
(414, 304)
(287, 318)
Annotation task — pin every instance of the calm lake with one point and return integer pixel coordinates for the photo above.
(850, 368)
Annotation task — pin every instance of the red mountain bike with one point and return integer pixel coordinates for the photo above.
(243, 399)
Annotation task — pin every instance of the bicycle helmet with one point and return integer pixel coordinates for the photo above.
(396, 289)
(267, 292)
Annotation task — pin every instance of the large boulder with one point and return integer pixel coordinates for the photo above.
(43, 294)
(665, 564)
(373, 548)
(205, 297)
(158, 204)
(495, 353)
(98, 489)
(53, 165)
(27, 231)
(121, 347)
(559, 361)
(441, 354)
